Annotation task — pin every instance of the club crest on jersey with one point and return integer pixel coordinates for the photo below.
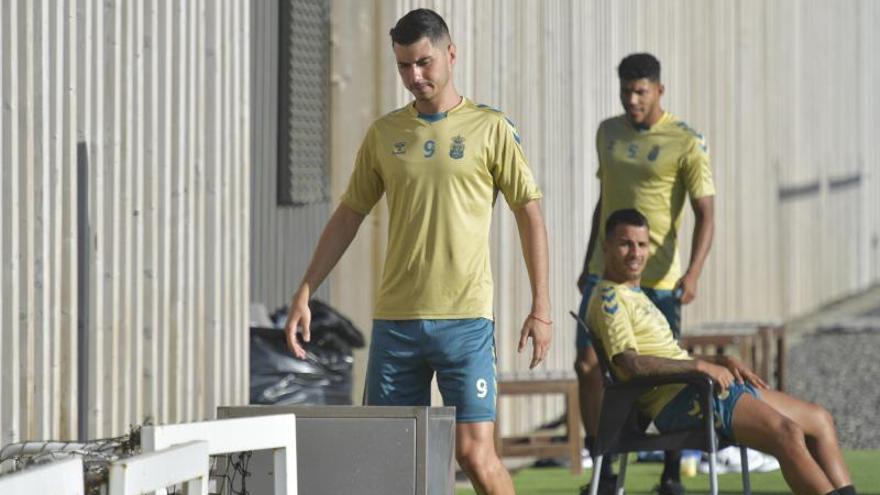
(399, 148)
(456, 150)
(654, 153)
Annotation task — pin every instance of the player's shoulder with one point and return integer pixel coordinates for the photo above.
(489, 112)
(615, 121)
(494, 116)
(403, 112)
(609, 297)
(612, 125)
(684, 130)
(392, 123)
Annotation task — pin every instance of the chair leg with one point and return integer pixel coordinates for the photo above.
(713, 473)
(744, 461)
(713, 452)
(594, 479)
(621, 475)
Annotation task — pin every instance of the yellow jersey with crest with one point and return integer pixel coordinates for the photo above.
(440, 174)
(651, 170)
(624, 318)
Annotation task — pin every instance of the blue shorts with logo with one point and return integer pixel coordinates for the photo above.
(405, 354)
(684, 410)
(665, 300)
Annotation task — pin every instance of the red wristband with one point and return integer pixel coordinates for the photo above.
(546, 322)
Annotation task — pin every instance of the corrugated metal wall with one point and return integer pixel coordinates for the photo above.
(783, 90)
(124, 211)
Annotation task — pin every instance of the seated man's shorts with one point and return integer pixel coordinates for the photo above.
(405, 354)
(665, 300)
(684, 411)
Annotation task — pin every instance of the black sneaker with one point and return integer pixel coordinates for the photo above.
(607, 484)
(669, 487)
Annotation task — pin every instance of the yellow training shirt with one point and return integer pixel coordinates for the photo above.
(624, 318)
(441, 174)
(651, 170)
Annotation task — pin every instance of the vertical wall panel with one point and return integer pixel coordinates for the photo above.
(11, 370)
(150, 92)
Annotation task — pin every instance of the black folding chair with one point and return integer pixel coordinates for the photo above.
(622, 428)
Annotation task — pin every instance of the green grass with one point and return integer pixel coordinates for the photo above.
(641, 478)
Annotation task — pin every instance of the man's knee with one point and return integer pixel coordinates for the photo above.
(823, 420)
(475, 447)
(788, 436)
(475, 456)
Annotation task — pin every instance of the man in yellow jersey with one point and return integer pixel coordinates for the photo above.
(638, 341)
(440, 162)
(648, 160)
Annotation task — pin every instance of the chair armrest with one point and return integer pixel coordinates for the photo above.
(700, 380)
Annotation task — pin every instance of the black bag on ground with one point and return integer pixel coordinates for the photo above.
(323, 377)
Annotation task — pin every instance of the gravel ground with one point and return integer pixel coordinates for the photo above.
(838, 366)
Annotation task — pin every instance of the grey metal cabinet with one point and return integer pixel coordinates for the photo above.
(369, 450)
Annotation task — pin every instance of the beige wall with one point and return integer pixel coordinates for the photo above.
(157, 94)
(783, 91)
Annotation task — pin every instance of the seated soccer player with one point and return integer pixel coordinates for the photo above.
(638, 342)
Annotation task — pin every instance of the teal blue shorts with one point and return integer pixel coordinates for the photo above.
(665, 300)
(405, 354)
(684, 410)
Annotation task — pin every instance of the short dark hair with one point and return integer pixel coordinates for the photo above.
(639, 66)
(418, 24)
(628, 216)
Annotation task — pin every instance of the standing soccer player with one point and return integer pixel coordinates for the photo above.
(439, 161)
(649, 160)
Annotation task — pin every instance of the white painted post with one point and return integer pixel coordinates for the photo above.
(224, 436)
(186, 463)
(64, 477)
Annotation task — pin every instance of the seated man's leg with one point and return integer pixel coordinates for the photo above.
(772, 422)
(820, 434)
(780, 425)
(463, 354)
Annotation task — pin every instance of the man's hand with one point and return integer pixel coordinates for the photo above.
(741, 372)
(541, 332)
(686, 288)
(299, 315)
(719, 374)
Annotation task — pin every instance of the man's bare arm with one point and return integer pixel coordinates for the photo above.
(741, 372)
(533, 237)
(591, 244)
(337, 236)
(704, 231)
(636, 364)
